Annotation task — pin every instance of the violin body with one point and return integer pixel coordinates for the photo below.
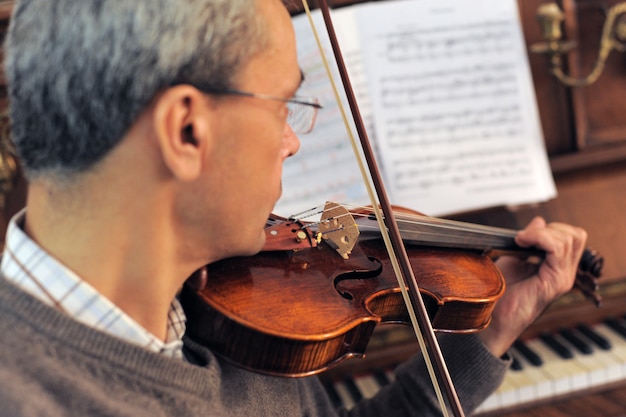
(299, 311)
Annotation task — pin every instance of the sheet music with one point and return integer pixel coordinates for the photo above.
(452, 114)
(456, 119)
(325, 168)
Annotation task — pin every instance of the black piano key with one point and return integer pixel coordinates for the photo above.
(354, 391)
(558, 347)
(528, 353)
(332, 394)
(381, 378)
(598, 339)
(616, 325)
(516, 365)
(581, 345)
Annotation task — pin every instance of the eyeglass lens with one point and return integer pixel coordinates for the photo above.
(301, 118)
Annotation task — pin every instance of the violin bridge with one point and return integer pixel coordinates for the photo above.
(339, 228)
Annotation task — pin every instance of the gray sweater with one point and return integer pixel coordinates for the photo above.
(51, 365)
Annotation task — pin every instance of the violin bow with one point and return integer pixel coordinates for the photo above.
(387, 222)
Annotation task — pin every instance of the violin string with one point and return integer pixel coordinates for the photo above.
(329, 231)
(314, 211)
(422, 220)
(307, 213)
(386, 239)
(586, 281)
(432, 232)
(439, 224)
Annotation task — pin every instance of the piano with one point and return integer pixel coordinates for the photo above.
(594, 199)
(557, 366)
(549, 371)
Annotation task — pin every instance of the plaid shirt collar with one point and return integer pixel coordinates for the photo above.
(33, 270)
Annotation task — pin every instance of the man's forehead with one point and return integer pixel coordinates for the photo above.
(277, 64)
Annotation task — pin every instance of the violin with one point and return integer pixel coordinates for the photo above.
(315, 293)
(251, 310)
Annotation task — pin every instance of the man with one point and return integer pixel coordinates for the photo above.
(153, 134)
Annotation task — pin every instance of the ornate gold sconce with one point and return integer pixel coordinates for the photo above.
(550, 17)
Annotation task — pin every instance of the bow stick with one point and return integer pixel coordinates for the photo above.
(393, 240)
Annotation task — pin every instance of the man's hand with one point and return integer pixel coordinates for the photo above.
(531, 288)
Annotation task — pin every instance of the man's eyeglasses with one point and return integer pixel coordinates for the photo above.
(302, 111)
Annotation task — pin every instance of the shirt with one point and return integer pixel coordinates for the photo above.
(35, 271)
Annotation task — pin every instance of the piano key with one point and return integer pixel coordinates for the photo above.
(603, 367)
(333, 394)
(381, 378)
(491, 403)
(541, 385)
(566, 375)
(353, 390)
(526, 384)
(528, 353)
(367, 385)
(554, 377)
(592, 335)
(618, 344)
(581, 345)
(515, 390)
(616, 325)
(529, 384)
(507, 396)
(553, 343)
(344, 394)
(516, 365)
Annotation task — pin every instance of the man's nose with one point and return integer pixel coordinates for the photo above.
(291, 142)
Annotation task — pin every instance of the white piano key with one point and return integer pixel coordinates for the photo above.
(506, 396)
(567, 375)
(502, 397)
(522, 386)
(556, 376)
(560, 375)
(491, 403)
(537, 382)
(367, 385)
(618, 345)
(526, 385)
(344, 394)
(603, 366)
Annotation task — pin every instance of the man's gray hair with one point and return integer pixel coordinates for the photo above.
(80, 71)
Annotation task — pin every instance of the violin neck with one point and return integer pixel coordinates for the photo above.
(430, 231)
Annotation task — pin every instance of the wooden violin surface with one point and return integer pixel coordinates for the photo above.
(298, 312)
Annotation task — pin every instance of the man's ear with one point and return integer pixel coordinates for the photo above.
(182, 129)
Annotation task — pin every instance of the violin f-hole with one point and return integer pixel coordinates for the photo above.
(360, 275)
